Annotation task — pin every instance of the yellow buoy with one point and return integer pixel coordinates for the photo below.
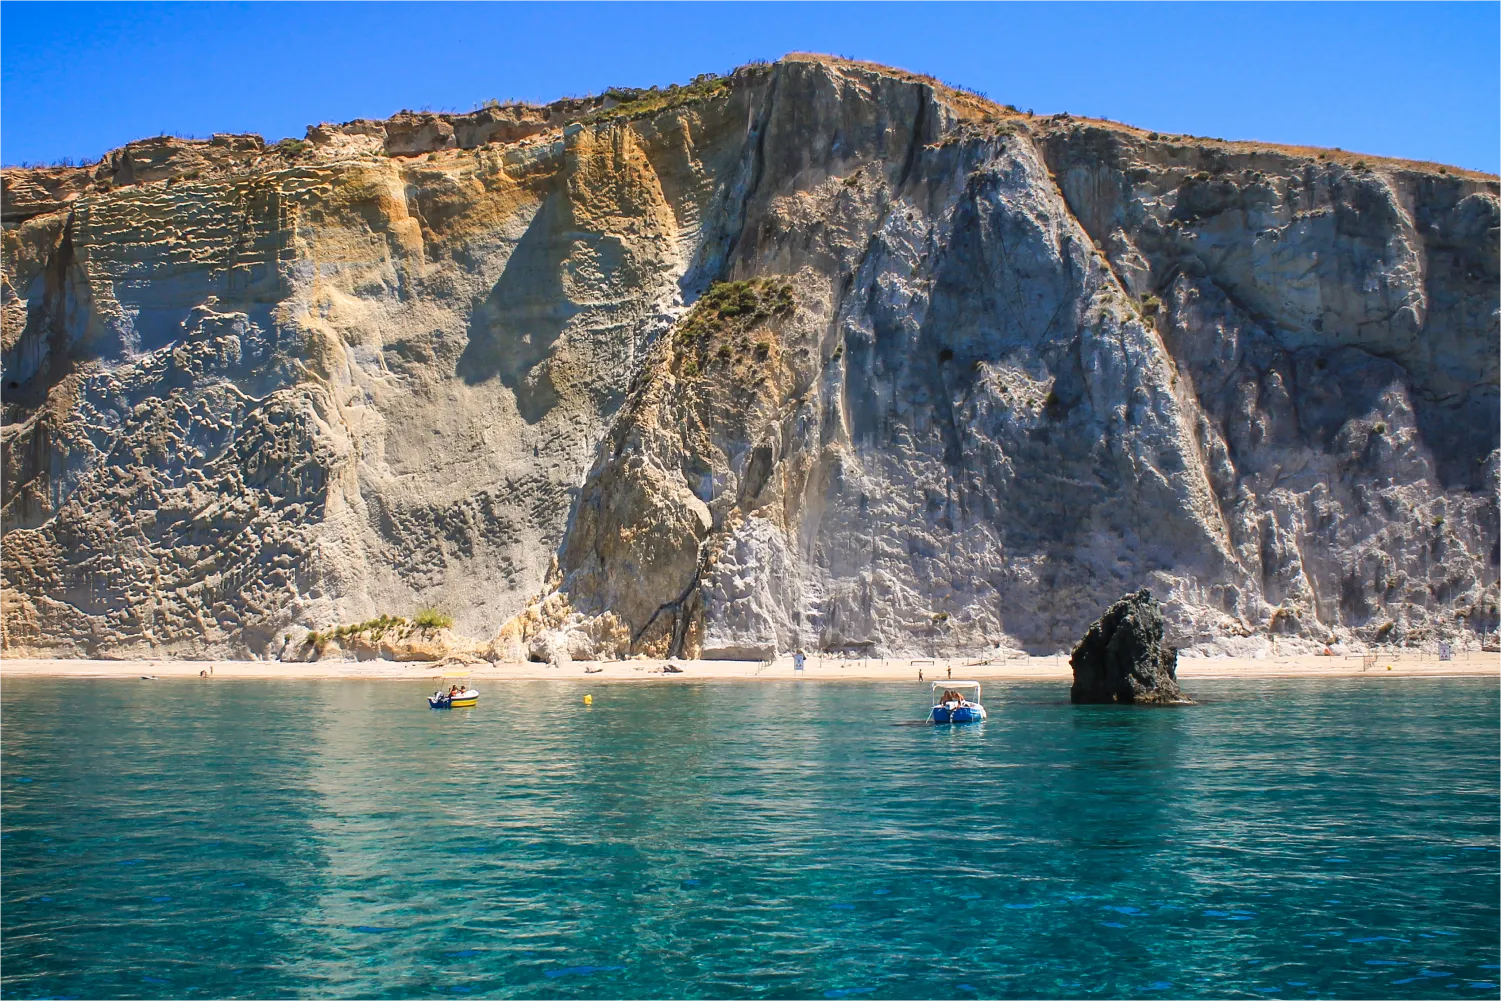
(588, 700)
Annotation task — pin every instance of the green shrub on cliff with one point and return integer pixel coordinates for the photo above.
(637, 103)
(730, 306)
(373, 629)
(432, 618)
(718, 325)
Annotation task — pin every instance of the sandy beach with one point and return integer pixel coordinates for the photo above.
(1012, 668)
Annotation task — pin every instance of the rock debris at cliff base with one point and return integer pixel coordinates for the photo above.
(818, 354)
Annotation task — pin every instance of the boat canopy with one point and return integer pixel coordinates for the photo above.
(939, 687)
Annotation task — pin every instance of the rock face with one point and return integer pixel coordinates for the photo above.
(817, 354)
(1123, 658)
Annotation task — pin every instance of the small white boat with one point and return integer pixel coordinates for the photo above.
(951, 704)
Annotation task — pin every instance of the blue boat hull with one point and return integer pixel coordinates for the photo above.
(963, 714)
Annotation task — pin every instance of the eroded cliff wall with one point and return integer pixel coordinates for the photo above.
(967, 378)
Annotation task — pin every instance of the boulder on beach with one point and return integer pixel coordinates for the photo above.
(1123, 659)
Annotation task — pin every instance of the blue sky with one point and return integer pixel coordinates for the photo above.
(1408, 80)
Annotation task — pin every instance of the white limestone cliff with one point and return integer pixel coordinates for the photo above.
(968, 377)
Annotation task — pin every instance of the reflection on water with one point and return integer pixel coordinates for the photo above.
(262, 839)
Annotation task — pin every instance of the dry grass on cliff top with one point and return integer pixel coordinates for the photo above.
(636, 103)
(970, 106)
(973, 106)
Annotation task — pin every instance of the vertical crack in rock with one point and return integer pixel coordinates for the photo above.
(919, 127)
(757, 165)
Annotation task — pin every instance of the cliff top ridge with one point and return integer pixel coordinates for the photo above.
(29, 191)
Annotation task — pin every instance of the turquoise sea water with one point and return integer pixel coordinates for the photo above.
(1284, 839)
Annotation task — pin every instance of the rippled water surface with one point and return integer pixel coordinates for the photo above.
(266, 839)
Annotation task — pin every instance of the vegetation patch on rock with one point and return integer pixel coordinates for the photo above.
(432, 618)
(636, 102)
(721, 326)
(381, 627)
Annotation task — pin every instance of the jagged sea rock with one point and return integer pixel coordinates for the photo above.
(1123, 659)
(816, 354)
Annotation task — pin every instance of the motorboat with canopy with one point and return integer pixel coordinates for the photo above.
(458, 695)
(956, 702)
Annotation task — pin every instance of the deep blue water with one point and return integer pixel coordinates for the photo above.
(1284, 839)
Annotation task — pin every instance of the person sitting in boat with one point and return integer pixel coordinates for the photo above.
(453, 691)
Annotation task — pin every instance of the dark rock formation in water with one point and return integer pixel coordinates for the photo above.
(1123, 658)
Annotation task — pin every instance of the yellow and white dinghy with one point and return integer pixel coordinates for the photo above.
(459, 694)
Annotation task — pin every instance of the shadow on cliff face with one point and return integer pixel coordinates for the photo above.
(513, 331)
(991, 383)
(1000, 291)
(1309, 396)
(1331, 287)
(1462, 436)
(1336, 388)
(33, 361)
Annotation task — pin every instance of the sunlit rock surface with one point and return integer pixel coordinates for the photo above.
(974, 375)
